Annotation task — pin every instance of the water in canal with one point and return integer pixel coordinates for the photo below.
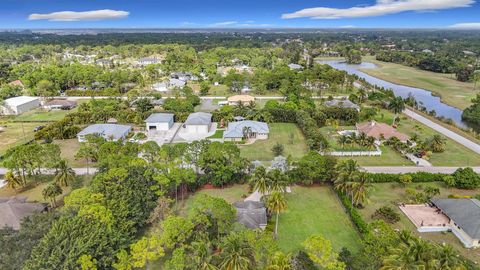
(423, 97)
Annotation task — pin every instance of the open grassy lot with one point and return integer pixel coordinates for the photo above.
(41, 115)
(315, 210)
(287, 134)
(15, 133)
(389, 157)
(230, 194)
(452, 92)
(69, 148)
(383, 194)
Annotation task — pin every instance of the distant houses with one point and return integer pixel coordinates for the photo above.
(342, 103)
(110, 132)
(198, 122)
(159, 121)
(236, 131)
(295, 66)
(240, 99)
(60, 104)
(19, 105)
(145, 61)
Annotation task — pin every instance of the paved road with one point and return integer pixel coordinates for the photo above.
(448, 133)
(413, 169)
(78, 171)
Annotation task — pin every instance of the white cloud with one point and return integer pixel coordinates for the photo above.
(219, 24)
(466, 26)
(381, 7)
(69, 16)
(347, 26)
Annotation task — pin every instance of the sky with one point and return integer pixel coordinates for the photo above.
(30, 14)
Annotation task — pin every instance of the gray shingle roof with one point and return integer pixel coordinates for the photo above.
(251, 214)
(199, 118)
(464, 212)
(13, 212)
(342, 104)
(159, 118)
(106, 130)
(235, 129)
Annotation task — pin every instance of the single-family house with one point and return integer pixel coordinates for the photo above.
(176, 83)
(103, 62)
(110, 132)
(17, 83)
(60, 104)
(295, 66)
(184, 76)
(159, 121)
(380, 131)
(14, 210)
(252, 214)
(342, 103)
(198, 122)
(19, 105)
(240, 99)
(160, 87)
(148, 61)
(464, 217)
(236, 131)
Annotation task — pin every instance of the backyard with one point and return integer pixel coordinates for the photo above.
(315, 210)
(287, 134)
(68, 150)
(388, 194)
(451, 91)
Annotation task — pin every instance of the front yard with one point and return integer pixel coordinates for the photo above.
(287, 134)
(315, 210)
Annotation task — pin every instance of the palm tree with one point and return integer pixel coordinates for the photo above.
(345, 171)
(202, 256)
(359, 188)
(280, 261)
(65, 174)
(12, 180)
(51, 192)
(437, 143)
(236, 254)
(362, 139)
(246, 132)
(342, 140)
(370, 142)
(277, 181)
(396, 105)
(447, 258)
(276, 203)
(260, 181)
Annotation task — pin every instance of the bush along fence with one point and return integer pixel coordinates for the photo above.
(356, 218)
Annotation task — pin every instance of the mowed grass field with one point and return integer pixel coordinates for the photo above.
(315, 210)
(389, 194)
(451, 91)
(15, 133)
(287, 134)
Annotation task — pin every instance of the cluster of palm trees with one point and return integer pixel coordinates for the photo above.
(352, 139)
(352, 182)
(63, 176)
(416, 253)
(271, 184)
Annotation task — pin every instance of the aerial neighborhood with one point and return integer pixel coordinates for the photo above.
(239, 150)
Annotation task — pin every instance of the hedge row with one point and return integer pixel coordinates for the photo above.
(356, 218)
(417, 177)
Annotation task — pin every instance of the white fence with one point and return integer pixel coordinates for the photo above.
(377, 152)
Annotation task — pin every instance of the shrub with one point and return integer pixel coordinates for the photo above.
(466, 178)
(387, 214)
(356, 218)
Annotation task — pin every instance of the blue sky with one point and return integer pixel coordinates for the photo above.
(239, 14)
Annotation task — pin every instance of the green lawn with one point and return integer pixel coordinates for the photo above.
(389, 194)
(218, 134)
(69, 148)
(15, 133)
(230, 194)
(389, 157)
(315, 210)
(287, 134)
(452, 92)
(40, 115)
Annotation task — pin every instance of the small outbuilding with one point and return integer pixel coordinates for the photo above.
(110, 132)
(60, 104)
(19, 105)
(252, 214)
(198, 122)
(159, 121)
(342, 103)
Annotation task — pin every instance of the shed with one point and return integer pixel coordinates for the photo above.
(19, 105)
(251, 214)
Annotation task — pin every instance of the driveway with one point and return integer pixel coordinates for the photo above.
(163, 136)
(448, 133)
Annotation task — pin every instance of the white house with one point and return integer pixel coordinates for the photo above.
(236, 131)
(198, 122)
(110, 132)
(159, 121)
(19, 105)
(148, 61)
(160, 87)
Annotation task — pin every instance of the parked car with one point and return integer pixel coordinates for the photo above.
(38, 128)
